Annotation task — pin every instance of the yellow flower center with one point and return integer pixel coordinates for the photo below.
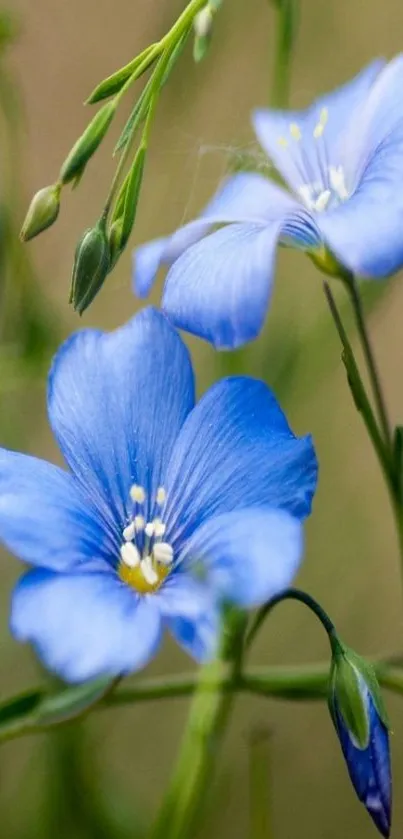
(145, 558)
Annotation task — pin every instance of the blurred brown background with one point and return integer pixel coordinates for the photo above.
(352, 565)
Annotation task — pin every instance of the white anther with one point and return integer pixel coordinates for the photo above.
(305, 191)
(295, 131)
(138, 493)
(337, 181)
(161, 496)
(159, 528)
(130, 555)
(322, 200)
(163, 553)
(139, 523)
(149, 529)
(129, 532)
(150, 576)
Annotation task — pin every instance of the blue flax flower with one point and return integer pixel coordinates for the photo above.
(166, 509)
(342, 161)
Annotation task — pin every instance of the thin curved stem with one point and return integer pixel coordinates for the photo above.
(290, 594)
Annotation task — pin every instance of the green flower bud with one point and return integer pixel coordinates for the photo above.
(43, 212)
(87, 144)
(91, 266)
(115, 242)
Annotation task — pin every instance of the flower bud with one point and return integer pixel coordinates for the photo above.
(42, 213)
(88, 143)
(91, 266)
(360, 720)
(203, 26)
(203, 22)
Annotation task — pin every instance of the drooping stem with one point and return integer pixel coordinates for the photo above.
(291, 594)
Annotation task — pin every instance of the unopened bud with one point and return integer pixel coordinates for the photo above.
(91, 266)
(42, 213)
(361, 723)
(203, 22)
(87, 144)
(115, 242)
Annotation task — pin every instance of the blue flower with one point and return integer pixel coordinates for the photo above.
(361, 724)
(167, 508)
(342, 161)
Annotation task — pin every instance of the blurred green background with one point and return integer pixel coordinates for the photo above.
(105, 777)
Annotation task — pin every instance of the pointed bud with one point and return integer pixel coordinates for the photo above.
(88, 143)
(360, 720)
(91, 266)
(42, 213)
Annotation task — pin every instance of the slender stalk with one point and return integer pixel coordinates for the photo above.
(290, 683)
(290, 594)
(207, 721)
(351, 286)
(287, 11)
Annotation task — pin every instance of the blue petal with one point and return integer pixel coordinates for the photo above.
(236, 450)
(369, 768)
(191, 612)
(85, 625)
(302, 161)
(381, 812)
(365, 232)
(46, 519)
(249, 555)
(220, 288)
(244, 197)
(116, 404)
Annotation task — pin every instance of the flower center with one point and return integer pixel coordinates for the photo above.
(323, 184)
(145, 558)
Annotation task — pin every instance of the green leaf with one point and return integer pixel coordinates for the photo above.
(35, 710)
(114, 83)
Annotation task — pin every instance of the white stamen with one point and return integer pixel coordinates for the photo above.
(295, 131)
(159, 528)
(337, 181)
(139, 523)
(149, 529)
(130, 555)
(320, 126)
(322, 201)
(137, 493)
(129, 532)
(161, 496)
(305, 191)
(163, 553)
(150, 576)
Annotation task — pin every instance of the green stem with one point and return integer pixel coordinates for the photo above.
(361, 399)
(287, 11)
(291, 683)
(290, 594)
(351, 286)
(208, 717)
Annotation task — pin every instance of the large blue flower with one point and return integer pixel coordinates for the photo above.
(342, 160)
(167, 509)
